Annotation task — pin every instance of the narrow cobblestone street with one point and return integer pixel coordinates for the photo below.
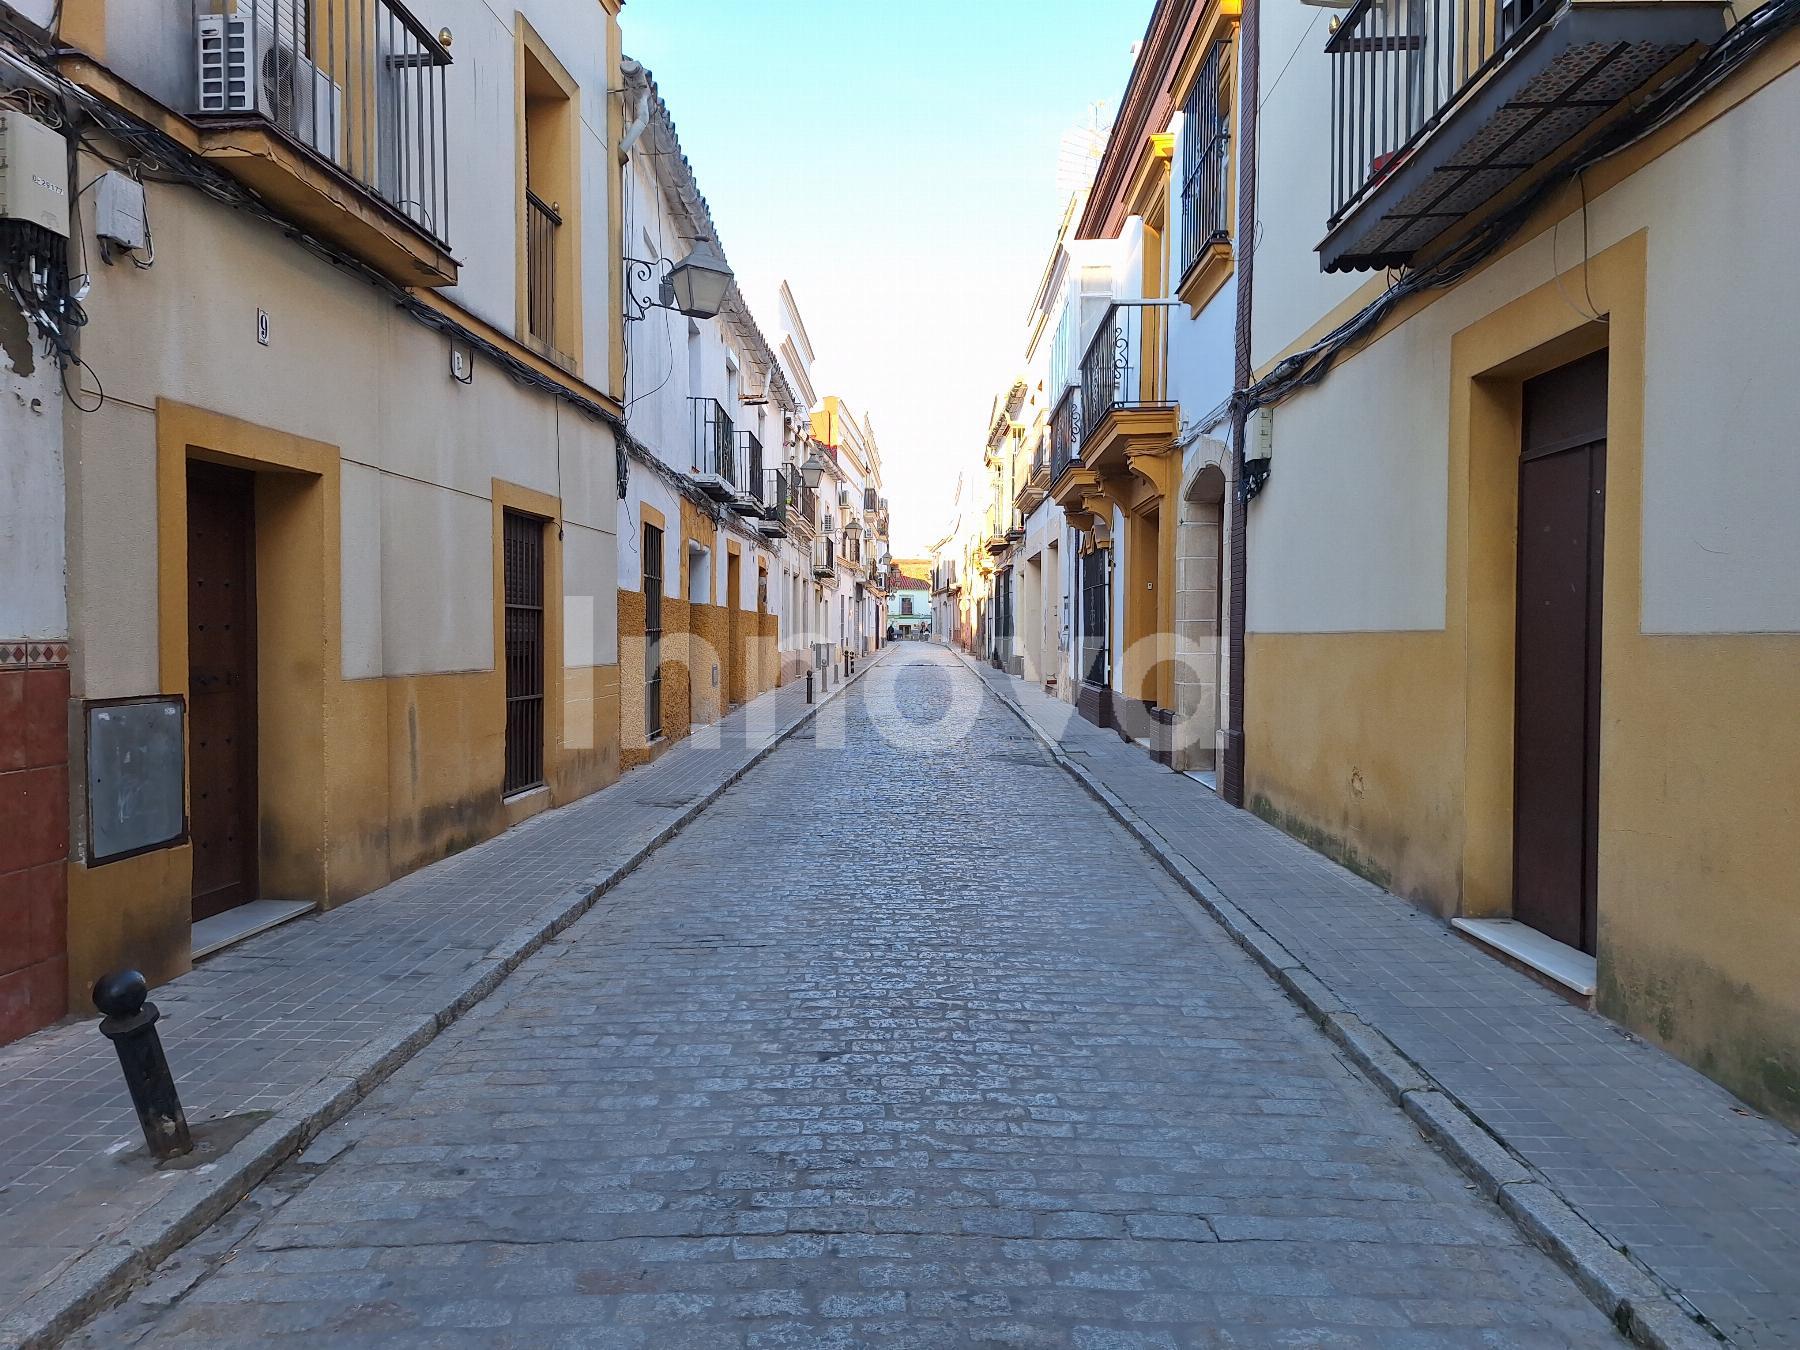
(969, 1069)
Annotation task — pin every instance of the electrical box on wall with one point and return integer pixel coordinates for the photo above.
(34, 173)
(119, 210)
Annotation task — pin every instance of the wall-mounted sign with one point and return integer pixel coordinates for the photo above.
(135, 777)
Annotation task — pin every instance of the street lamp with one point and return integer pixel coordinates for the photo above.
(700, 280)
(814, 468)
(696, 286)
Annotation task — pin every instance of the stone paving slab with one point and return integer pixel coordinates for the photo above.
(1665, 1164)
(916, 1073)
(250, 1029)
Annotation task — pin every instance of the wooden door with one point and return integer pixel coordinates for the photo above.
(222, 686)
(734, 632)
(1556, 769)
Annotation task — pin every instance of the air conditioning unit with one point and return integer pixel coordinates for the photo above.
(254, 61)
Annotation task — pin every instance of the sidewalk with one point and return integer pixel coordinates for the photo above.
(259, 1026)
(1664, 1164)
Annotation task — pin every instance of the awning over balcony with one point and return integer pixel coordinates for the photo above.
(1439, 106)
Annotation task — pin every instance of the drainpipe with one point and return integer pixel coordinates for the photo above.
(634, 82)
(1231, 781)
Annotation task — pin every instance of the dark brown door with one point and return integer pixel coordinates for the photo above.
(522, 557)
(222, 685)
(1562, 516)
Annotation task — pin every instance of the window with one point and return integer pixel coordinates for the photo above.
(653, 630)
(1095, 667)
(1205, 133)
(523, 583)
(906, 609)
(548, 313)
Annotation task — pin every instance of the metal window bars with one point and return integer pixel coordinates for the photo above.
(359, 82)
(542, 221)
(523, 584)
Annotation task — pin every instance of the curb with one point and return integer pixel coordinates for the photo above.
(102, 1275)
(1638, 1304)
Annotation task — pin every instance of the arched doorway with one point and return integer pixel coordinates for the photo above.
(1199, 614)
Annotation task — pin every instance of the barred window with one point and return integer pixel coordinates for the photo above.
(1206, 133)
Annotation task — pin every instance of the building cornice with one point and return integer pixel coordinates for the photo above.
(1148, 105)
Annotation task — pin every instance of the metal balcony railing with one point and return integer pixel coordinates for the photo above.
(1398, 67)
(749, 465)
(774, 496)
(1206, 135)
(715, 443)
(542, 221)
(1065, 431)
(1123, 365)
(803, 501)
(360, 82)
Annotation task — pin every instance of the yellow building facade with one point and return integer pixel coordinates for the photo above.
(342, 496)
(1523, 622)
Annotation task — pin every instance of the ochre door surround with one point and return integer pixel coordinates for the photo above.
(1491, 361)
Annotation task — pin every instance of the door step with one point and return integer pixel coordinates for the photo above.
(1567, 969)
(232, 926)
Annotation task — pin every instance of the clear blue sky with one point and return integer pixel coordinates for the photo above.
(896, 163)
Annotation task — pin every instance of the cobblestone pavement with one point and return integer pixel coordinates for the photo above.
(1663, 1162)
(255, 1025)
(903, 1042)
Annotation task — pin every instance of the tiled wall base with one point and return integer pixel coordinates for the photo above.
(34, 836)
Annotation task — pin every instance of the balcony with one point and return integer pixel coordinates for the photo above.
(775, 504)
(824, 559)
(749, 475)
(1126, 410)
(1441, 107)
(715, 449)
(1036, 483)
(335, 112)
(803, 503)
(1070, 479)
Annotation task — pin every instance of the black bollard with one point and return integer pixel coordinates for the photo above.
(130, 1024)
(809, 686)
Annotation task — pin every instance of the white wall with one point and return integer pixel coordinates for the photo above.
(1294, 187)
(32, 560)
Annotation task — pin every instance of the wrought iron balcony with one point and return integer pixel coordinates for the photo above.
(824, 558)
(1439, 106)
(1124, 393)
(359, 83)
(775, 504)
(1065, 432)
(803, 502)
(715, 446)
(1206, 136)
(748, 475)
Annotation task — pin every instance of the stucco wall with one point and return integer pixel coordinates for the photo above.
(1390, 747)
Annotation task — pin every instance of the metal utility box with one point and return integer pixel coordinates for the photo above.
(119, 213)
(34, 173)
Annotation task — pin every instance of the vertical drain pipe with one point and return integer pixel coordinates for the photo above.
(1231, 781)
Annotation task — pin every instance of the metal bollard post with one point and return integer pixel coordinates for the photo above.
(809, 686)
(130, 1024)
